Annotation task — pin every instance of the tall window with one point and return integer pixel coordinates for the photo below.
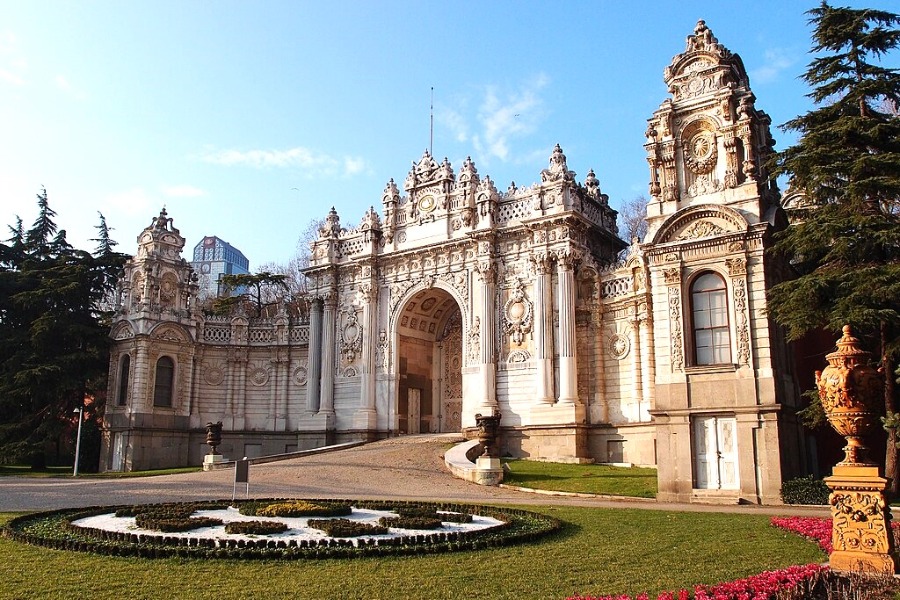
(124, 369)
(709, 309)
(165, 376)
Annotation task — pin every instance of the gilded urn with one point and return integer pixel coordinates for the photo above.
(850, 390)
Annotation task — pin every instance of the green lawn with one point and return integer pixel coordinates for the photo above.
(597, 551)
(588, 479)
(25, 471)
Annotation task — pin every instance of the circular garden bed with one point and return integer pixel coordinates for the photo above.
(280, 528)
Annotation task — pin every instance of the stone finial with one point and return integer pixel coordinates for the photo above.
(391, 192)
(558, 169)
(370, 220)
(332, 225)
(468, 171)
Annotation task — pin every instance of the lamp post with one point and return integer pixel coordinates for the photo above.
(80, 411)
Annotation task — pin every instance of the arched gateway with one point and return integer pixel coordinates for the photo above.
(457, 298)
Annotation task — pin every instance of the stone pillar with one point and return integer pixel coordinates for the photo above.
(315, 356)
(543, 350)
(366, 414)
(648, 367)
(328, 330)
(636, 366)
(568, 373)
(488, 275)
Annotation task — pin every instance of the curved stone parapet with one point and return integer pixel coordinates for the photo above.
(464, 462)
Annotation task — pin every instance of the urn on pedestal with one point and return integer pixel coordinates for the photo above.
(850, 391)
(213, 436)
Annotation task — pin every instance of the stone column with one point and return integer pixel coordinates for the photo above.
(328, 330)
(648, 373)
(636, 367)
(488, 275)
(369, 296)
(568, 373)
(543, 350)
(315, 356)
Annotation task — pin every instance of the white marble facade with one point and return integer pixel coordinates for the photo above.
(457, 299)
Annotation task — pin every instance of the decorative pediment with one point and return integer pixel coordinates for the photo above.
(699, 222)
(170, 333)
(122, 331)
(704, 66)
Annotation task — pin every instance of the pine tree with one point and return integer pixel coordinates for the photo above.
(53, 336)
(846, 250)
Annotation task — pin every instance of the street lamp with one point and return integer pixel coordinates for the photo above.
(80, 411)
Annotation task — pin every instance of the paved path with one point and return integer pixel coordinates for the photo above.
(408, 467)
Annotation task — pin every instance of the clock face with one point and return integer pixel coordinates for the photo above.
(427, 204)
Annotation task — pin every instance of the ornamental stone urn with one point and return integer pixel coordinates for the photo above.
(861, 532)
(851, 394)
(213, 436)
(487, 433)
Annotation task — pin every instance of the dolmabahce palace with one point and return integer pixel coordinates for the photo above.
(457, 299)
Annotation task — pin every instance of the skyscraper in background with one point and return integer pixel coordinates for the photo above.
(214, 257)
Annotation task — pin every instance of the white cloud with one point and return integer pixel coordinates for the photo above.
(777, 60)
(304, 159)
(65, 86)
(12, 63)
(183, 191)
(505, 115)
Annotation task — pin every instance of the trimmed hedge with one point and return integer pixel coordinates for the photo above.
(255, 527)
(54, 529)
(156, 523)
(296, 508)
(805, 490)
(411, 522)
(346, 528)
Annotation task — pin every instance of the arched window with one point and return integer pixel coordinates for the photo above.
(709, 312)
(124, 371)
(165, 377)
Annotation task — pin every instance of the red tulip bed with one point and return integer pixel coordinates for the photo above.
(798, 582)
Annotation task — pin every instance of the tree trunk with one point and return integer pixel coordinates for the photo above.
(890, 457)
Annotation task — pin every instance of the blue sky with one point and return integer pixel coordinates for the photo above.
(249, 119)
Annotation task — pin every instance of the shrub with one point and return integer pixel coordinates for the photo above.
(805, 490)
(301, 508)
(157, 523)
(455, 517)
(255, 527)
(411, 522)
(346, 527)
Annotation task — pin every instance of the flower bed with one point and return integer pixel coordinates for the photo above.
(298, 508)
(792, 583)
(818, 529)
(495, 527)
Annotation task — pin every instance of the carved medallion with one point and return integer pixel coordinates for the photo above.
(619, 345)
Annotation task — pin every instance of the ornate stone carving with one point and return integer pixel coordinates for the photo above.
(675, 328)
(672, 276)
(700, 153)
(517, 315)
(742, 328)
(381, 351)
(301, 375)
(518, 357)
(619, 346)
(700, 229)
(350, 334)
(859, 522)
(475, 340)
(850, 391)
(213, 372)
(259, 375)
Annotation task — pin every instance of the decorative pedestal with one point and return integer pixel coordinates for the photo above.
(861, 531)
(212, 461)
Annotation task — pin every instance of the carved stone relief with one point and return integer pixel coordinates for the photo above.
(213, 372)
(675, 328)
(741, 327)
(518, 315)
(619, 346)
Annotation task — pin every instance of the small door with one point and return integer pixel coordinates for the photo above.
(415, 410)
(715, 453)
(118, 457)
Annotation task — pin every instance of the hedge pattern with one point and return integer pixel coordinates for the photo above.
(54, 529)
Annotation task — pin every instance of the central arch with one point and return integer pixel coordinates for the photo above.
(429, 330)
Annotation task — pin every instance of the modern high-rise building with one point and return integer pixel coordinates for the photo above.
(214, 257)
